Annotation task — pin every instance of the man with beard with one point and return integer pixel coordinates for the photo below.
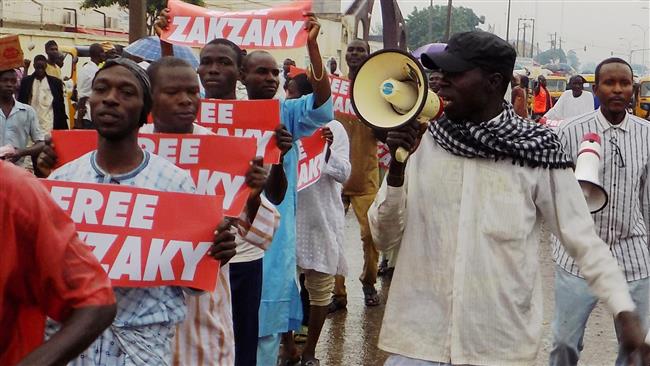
(467, 207)
(360, 189)
(146, 319)
(280, 307)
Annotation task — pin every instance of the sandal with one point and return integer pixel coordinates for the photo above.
(370, 296)
(289, 361)
(312, 362)
(336, 305)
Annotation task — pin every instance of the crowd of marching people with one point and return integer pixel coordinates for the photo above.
(458, 223)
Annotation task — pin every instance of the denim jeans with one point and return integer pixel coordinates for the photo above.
(573, 305)
(398, 360)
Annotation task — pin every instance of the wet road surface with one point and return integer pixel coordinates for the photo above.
(350, 337)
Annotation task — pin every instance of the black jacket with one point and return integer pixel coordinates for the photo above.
(58, 105)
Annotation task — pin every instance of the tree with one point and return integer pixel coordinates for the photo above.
(573, 60)
(153, 7)
(417, 24)
(551, 56)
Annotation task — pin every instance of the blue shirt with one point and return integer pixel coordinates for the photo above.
(21, 126)
(280, 310)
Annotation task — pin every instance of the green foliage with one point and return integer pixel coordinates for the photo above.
(417, 24)
(153, 6)
(549, 56)
(573, 60)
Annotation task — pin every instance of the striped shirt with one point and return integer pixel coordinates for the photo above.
(623, 172)
(146, 317)
(206, 336)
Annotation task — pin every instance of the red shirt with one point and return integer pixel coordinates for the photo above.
(45, 269)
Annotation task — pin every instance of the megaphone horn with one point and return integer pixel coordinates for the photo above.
(587, 166)
(391, 90)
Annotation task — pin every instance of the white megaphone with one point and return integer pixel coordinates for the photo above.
(390, 90)
(586, 172)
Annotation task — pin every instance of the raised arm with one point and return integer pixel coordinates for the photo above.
(317, 74)
(161, 24)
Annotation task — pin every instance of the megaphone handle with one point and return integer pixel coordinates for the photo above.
(401, 154)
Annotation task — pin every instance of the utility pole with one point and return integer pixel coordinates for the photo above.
(448, 31)
(518, 28)
(431, 23)
(523, 53)
(532, 40)
(508, 24)
(137, 20)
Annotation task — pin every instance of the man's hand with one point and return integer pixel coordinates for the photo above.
(46, 159)
(15, 155)
(256, 175)
(162, 21)
(26, 63)
(329, 138)
(328, 135)
(283, 138)
(632, 337)
(406, 137)
(224, 247)
(312, 26)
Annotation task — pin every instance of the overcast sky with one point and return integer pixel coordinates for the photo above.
(601, 25)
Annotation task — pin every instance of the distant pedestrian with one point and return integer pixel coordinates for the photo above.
(45, 94)
(519, 97)
(84, 85)
(434, 80)
(572, 102)
(542, 99)
(54, 59)
(18, 122)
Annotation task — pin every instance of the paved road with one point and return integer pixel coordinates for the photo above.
(350, 338)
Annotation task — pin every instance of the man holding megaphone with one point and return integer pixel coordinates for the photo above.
(467, 206)
(623, 223)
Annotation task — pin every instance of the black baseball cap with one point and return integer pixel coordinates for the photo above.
(469, 50)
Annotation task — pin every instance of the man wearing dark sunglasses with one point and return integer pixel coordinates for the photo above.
(623, 224)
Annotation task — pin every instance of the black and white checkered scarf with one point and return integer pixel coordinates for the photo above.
(508, 137)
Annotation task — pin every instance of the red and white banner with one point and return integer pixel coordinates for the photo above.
(142, 237)
(244, 118)
(277, 27)
(311, 159)
(340, 87)
(217, 164)
(383, 155)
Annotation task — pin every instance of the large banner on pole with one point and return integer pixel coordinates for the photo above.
(142, 237)
(277, 27)
(244, 118)
(217, 164)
